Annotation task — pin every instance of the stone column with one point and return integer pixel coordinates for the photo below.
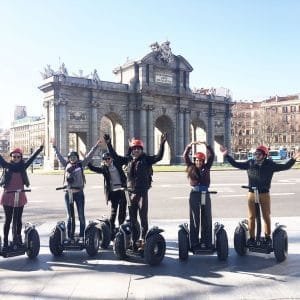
(227, 129)
(63, 145)
(143, 127)
(211, 126)
(130, 125)
(180, 133)
(150, 130)
(187, 117)
(94, 122)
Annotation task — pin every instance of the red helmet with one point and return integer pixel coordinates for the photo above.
(17, 150)
(200, 156)
(136, 143)
(263, 149)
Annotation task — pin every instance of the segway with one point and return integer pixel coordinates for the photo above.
(107, 234)
(59, 241)
(31, 244)
(124, 247)
(278, 243)
(220, 240)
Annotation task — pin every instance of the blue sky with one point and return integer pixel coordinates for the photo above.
(251, 47)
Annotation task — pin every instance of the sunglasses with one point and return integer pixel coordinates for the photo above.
(136, 148)
(16, 156)
(107, 158)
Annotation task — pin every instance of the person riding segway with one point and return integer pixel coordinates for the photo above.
(151, 245)
(198, 173)
(114, 183)
(260, 172)
(73, 185)
(13, 199)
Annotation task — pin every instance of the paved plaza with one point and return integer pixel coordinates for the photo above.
(77, 276)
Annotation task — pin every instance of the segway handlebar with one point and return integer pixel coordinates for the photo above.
(62, 187)
(18, 191)
(249, 187)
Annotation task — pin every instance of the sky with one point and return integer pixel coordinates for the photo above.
(250, 47)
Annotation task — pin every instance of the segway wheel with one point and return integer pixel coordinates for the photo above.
(92, 241)
(240, 241)
(155, 248)
(119, 246)
(33, 247)
(105, 235)
(183, 244)
(280, 245)
(55, 243)
(222, 244)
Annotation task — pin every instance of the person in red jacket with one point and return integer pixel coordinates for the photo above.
(198, 173)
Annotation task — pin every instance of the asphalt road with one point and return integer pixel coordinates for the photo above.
(77, 276)
(168, 198)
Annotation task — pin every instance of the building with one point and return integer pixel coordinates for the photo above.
(27, 133)
(152, 96)
(274, 122)
(4, 142)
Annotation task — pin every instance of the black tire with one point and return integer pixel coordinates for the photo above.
(280, 245)
(222, 244)
(155, 248)
(119, 246)
(183, 244)
(240, 241)
(55, 245)
(92, 241)
(33, 247)
(105, 235)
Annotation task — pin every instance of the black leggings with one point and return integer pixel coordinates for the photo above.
(14, 213)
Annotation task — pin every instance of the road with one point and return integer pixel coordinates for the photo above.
(76, 276)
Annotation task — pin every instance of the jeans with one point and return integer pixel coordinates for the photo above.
(139, 203)
(78, 198)
(206, 219)
(118, 200)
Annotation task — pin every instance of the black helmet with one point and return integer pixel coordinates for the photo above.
(73, 153)
(105, 155)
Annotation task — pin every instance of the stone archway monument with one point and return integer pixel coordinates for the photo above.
(151, 95)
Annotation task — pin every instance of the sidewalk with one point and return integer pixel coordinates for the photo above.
(77, 276)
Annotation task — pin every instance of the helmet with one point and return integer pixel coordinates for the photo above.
(17, 150)
(263, 149)
(136, 143)
(200, 155)
(105, 155)
(73, 153)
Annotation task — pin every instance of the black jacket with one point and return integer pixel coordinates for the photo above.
(9, 168)
(107, 180)
(139, 171)
(260, 176)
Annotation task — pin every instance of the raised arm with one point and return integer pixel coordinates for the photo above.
(33, 156)
(157, 157)
(90, 155)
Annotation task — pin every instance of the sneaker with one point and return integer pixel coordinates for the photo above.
(141, 246)
(5, 248)
(268, 240)
(197, 247)
(251, 242)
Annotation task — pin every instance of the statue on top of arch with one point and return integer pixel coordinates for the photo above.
(163, 51)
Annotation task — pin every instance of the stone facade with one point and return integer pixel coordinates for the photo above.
(152, 92)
